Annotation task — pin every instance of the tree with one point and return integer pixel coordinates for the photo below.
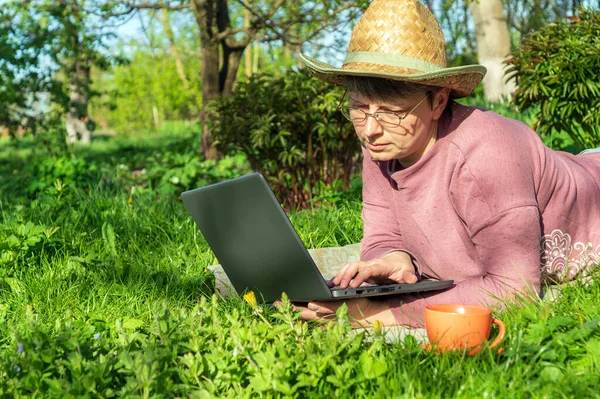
(492, 29)
(21, 77)
(73, 34)
(493, 47)
(454, 19)
(148, 90)
(525, 16)
(174, 49)
(224, 35)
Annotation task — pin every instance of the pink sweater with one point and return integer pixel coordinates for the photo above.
(489, 206)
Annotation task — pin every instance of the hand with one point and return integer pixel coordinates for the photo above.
(362, 312)
(395, 267)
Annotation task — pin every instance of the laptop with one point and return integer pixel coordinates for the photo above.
(259, 249)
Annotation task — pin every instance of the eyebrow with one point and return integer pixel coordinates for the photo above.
(382, 108)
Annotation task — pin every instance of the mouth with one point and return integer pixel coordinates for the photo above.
(375, 147)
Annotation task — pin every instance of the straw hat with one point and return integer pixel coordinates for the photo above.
(400, 40)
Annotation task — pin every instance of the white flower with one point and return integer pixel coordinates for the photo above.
(174, 180)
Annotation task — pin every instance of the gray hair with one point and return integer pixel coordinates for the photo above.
(387, 90)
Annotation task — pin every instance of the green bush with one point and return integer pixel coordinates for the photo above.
(290, 130)
(558, 70)
(503, 107)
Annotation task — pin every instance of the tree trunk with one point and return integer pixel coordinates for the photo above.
(493, 46)
(248, 54)
(205, 14)
(220, 60)
(228, 73)
(210, 91)
(77, 117)
(174, 50)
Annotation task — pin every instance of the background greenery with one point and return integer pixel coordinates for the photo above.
(290, 130)
(558, 73)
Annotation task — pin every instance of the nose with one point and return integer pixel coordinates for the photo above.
(372, 127)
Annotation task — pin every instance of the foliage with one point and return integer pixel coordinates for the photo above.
(20, 241)
(185, 353)
(237, 25)
(71, 37)
(145, 91)
(558, 70)
(505, 107)
(21, 77)
(525, 16)
(522, 17)
(165, 160)
(289, 128)
(559, 141)
(105, 292)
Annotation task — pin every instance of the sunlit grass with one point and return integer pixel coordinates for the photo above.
(112, 298)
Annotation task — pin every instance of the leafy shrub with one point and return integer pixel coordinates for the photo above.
(69, 169)
(290, 130)
(556, 140)
(558, 70)
(20, 240)
(179, 172)
(504, 107)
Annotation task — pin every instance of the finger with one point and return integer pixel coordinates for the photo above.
(410, 277)
(348, 274)
(311, 315)
(323, 307)
(361, 277)
(298, 307)
(307, 314)
(372, 271)
(277, 304)
(336, 279)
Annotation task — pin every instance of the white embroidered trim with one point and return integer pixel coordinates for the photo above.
(561, 260)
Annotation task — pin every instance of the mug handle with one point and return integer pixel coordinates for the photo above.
(501, 332)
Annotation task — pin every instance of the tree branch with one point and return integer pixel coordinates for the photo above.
(155, 6)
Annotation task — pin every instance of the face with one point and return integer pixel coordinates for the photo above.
(409, 141)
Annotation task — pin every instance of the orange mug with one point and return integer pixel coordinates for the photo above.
(460, 327)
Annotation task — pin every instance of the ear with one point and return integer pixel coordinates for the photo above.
(439, 102)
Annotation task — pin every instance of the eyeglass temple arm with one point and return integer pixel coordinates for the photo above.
(339, 107)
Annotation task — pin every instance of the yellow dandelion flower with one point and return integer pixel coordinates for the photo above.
(250, 298)
(377, 325)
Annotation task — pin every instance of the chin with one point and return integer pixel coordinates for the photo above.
(381, 156)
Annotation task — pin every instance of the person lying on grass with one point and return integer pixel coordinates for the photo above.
(450, 191)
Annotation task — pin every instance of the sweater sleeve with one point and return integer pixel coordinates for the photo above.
(381, 230)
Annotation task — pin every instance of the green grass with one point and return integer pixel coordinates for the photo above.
(104, 292)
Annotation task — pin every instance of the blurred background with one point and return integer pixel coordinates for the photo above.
(225, 74)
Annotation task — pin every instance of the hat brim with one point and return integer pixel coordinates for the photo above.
(462, 80)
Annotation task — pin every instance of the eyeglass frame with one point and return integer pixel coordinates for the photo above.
(376, 114)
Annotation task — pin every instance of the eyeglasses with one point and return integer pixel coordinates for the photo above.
(385, 118)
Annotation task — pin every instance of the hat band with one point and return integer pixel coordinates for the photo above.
(393, 60)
